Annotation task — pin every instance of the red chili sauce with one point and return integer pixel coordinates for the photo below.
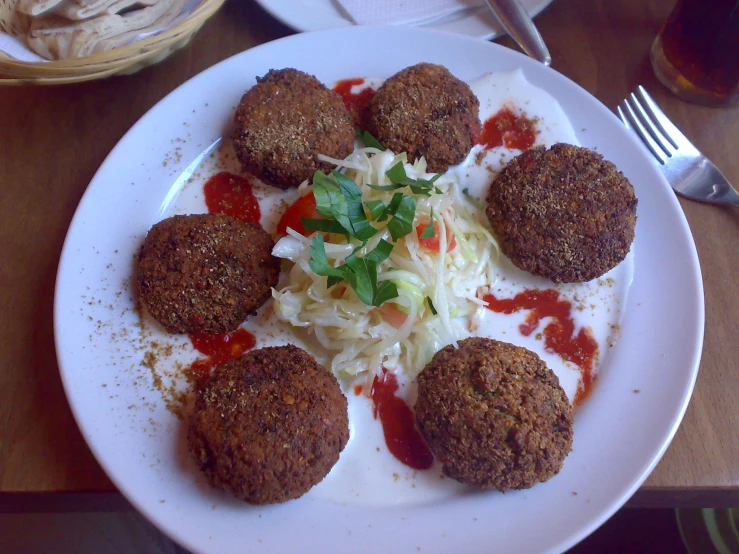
(229, 194)
(220, 348)
(357, 103)
(505, 128)
(559, 334)
(398, 424)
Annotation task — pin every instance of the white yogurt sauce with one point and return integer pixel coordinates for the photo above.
(496, 91)
(367, 473)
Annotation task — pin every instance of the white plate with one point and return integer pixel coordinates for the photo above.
(619, 434)
(316, 15)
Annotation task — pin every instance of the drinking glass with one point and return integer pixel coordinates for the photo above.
(696, 54)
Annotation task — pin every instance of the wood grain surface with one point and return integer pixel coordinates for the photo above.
(52, 140)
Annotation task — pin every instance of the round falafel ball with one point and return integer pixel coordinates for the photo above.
(270, 425)
(205, 273)
(563, 213)
(426, 111)
(494, 415)
(284, 121)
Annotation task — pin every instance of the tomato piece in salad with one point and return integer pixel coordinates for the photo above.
(393, 315)
(432, 243)
(303, 208)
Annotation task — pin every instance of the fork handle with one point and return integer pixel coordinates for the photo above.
(723, 192)
(725, 195)
(516, 21)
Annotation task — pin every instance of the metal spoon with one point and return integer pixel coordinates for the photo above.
(515, 20)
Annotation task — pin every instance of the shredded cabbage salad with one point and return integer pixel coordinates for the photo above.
(429, 281)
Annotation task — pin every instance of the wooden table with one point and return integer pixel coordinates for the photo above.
(52, 141)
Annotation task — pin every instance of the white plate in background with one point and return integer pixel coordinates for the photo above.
(316, 15)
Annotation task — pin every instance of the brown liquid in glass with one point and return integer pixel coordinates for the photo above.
(701, 40)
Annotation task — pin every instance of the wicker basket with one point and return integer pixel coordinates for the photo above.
(119, 61)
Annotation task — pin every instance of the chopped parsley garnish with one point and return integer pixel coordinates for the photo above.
(368, 139)
(429, 232)
(402, 222)
(396, 174)
(319, 262)
(323, 225)
(473, 200)
(360, 273)
(339, 200)
(376, 208)
(399, 179)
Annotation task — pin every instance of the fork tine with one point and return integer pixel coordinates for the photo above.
(673, 134)
(642, 132)
(654, 129)
(624, 119)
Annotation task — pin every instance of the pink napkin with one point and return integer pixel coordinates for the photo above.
(403, 12)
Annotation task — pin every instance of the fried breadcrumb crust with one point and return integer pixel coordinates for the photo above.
(270, 425)
(426, 111)
(563, 213)
(494, 415)
(284, 121)
(205, 273)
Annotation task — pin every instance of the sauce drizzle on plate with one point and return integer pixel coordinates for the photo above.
(505, 128)
(232, 195)
(220, 348)
(357, 103)
(559, 334)
(398, 423)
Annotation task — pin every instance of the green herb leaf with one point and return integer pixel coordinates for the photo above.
(323, 225)
(402, 222)
(420, 188)
(339, 198)
(429, 232)
(360, 273)
(399, 179)
(355, 209)
(319, 262)
(369, 140)
(473, 200)
(375, 207)
(329, 200)
(348, 187)
(392, 207)
(362, 278)
(431, 306)
(423, 186)
(396, 174)
(385, 187)
(366, 233)
(331, 281)
(380, 252)
(386, 291)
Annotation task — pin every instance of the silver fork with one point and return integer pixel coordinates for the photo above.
(688, 171)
